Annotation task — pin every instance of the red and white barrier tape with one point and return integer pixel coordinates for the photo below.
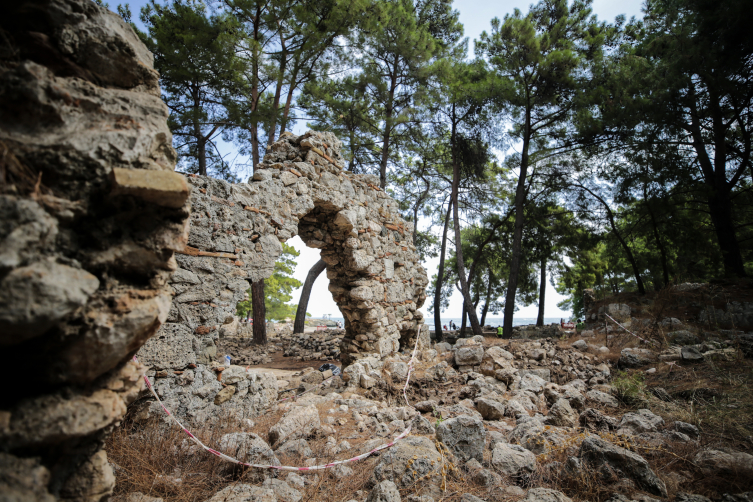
(286, 467)
(623, 327)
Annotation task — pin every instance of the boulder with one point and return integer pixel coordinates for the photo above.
(635, 358)
(643, 420)
(609, 459)
(469, 355)
(497, 362)
(725, 463)
(283, 491)
(562, 414)
(596, 421)
(250, 448)
(385, 491)
(603, 398)
(300, 421)
(411, 459)
(532, 383)
(691, 355)
(580, 345)
(464, 436)
(490, 409)
(295, 448)
(513, 460)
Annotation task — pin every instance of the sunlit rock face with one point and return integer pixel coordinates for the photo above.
(91, 213)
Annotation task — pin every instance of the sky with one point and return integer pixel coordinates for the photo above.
(476, 16)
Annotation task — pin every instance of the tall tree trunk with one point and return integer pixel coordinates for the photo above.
(440, 278)
(288, 100)
(278, 91)
(542, 293)
(657, 237)
(458, 242)
(201, 144)
(517, 236)
(303, 303)
(488, 299)
(720, 208)
(257, 302)
(387, 127)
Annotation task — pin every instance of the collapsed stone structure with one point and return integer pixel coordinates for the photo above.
(92, 213)
(234, 238)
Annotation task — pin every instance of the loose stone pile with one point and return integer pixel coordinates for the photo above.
(323, 344)
(92, 213)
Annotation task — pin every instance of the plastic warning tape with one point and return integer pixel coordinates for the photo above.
(287, 467)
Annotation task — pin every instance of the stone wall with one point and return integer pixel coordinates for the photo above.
(235, 234)
(92, 213)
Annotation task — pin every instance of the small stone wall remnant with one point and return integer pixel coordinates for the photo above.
(91, 213)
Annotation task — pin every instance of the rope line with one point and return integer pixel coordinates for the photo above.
(623, 327)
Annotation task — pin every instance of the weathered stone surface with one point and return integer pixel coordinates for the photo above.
(36, 297)
(243, 493)
(249, 447)
(23, 479)
(609, 458)
(385, 491)
(497, 362)
(83, 272)
(282, 490)
(299, 421)
(634, 423)
(725, 463)
(562, 414)
(545, 495)
(513, 460)
(490, 409)
(464, 436)
(296, 448)
(603, 398)
(413, 458)
(163, 188)
(635, 358)
(469, 355)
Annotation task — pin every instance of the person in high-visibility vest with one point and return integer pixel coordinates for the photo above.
(499, 331)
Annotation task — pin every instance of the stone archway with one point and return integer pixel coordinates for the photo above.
(235, 234)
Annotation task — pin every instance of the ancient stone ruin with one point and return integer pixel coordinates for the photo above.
(93, 216)
(235, 236)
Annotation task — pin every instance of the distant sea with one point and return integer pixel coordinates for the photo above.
(491, 321)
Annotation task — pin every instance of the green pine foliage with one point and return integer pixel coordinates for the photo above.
(278, 289)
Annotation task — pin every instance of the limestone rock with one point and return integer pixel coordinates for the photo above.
(725, 463)
(243, 493)
(562, 414)
(469, 355)
(299, 421)
(607, 457)
(413, 458)
(282, 490)
(643, 420)
(163, 188)
(35, 297)
(603, 398)
(513, 460)
(464, 436)
(545, 495)
(490, 409)
(635, 358)
(385, 491)
(23, 479)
